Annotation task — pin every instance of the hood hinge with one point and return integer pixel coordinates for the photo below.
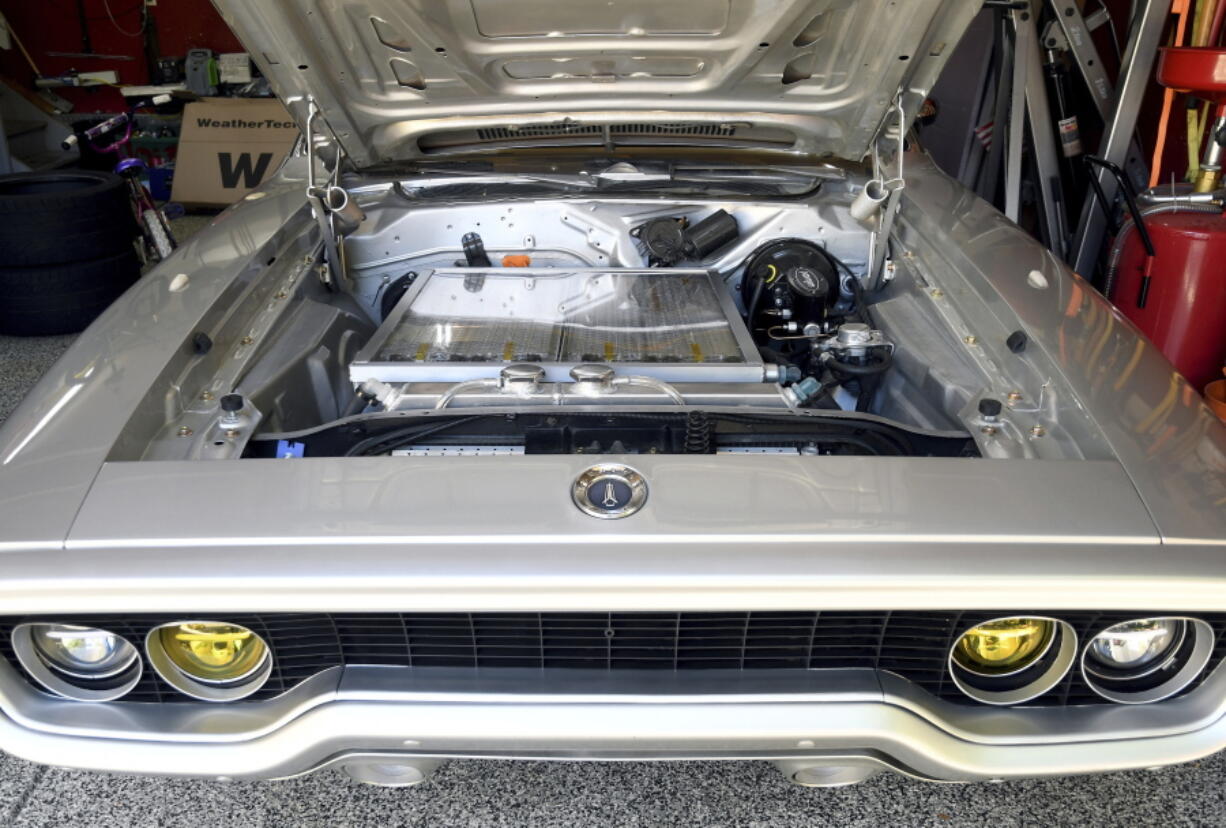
(334, 208)
(877, 204)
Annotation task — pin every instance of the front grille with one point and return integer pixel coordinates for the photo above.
(913, 645)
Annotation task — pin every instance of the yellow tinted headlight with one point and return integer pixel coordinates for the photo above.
(213, 652)
(1003, 646)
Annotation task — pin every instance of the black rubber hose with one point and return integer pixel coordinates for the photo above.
(753, 303)
(851, 369)
(399, 437)
(868, 392)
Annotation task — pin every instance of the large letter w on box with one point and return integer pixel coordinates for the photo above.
(251, 174)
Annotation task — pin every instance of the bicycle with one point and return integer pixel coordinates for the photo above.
(157, 240)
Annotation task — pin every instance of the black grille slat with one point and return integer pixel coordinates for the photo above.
(911, 644)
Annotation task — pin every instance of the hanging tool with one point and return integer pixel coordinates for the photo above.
(93, 55)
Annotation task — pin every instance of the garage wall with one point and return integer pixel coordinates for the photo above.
(53, 26)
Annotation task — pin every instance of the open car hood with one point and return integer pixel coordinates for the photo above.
(397, 80)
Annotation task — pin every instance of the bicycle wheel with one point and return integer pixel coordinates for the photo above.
(157, 233)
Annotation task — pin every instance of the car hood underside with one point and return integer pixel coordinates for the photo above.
(815, 76)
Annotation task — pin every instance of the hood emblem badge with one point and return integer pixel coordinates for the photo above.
(609, 490)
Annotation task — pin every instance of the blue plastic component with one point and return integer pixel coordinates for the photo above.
(288, 448)
(807, 388)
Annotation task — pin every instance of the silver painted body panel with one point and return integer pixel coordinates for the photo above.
(1140, 524)
(385, 72)
(1172, 446)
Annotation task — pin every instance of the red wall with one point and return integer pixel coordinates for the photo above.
(53, 26)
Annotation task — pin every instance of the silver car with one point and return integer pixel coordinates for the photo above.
(611, 381)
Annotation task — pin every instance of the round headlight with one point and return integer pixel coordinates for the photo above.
(1004, 646)
(1012, 660)
(210, 660)
(82, 663)
(1136, 644)
(83, 652)
(1146, 659)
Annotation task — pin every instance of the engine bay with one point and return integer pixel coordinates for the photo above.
(580, 325)
(636, 323)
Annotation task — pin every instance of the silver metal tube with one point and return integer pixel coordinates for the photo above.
(460, 387)
(653, 383)
(428, 395)
(345, 211)
(1186, 196)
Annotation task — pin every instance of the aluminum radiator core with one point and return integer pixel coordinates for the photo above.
(464, 323)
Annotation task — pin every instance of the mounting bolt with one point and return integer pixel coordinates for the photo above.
(184, 431)
(988, 430)
(232, 433)
(280, 295)
(206, 395)
(1037, 431)
(246, 340)
(989, 408)
(1014, 397)
(937, 293)
(970, 339)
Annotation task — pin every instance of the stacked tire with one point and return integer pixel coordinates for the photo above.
(66, 249)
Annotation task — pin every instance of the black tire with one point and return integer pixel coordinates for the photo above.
(41, 301)
(63, 216)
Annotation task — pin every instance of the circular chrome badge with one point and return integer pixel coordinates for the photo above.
(610, 490)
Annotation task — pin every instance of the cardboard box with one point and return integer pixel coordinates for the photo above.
(228, 146)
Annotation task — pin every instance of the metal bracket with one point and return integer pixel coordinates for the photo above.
(316, 197)
(1042, 140)
(881, 235)
(1023, 46)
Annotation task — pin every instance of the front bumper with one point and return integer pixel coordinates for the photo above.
(856, 717)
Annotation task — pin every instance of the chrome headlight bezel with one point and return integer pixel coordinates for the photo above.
(239, 687)
(1026, 683)
(1164, 676)
(106, 685)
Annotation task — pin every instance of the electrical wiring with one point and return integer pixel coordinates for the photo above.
(144, 19)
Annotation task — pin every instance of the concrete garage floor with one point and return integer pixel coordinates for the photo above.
(471, 793)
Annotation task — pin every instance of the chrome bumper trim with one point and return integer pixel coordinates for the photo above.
(385, 712)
